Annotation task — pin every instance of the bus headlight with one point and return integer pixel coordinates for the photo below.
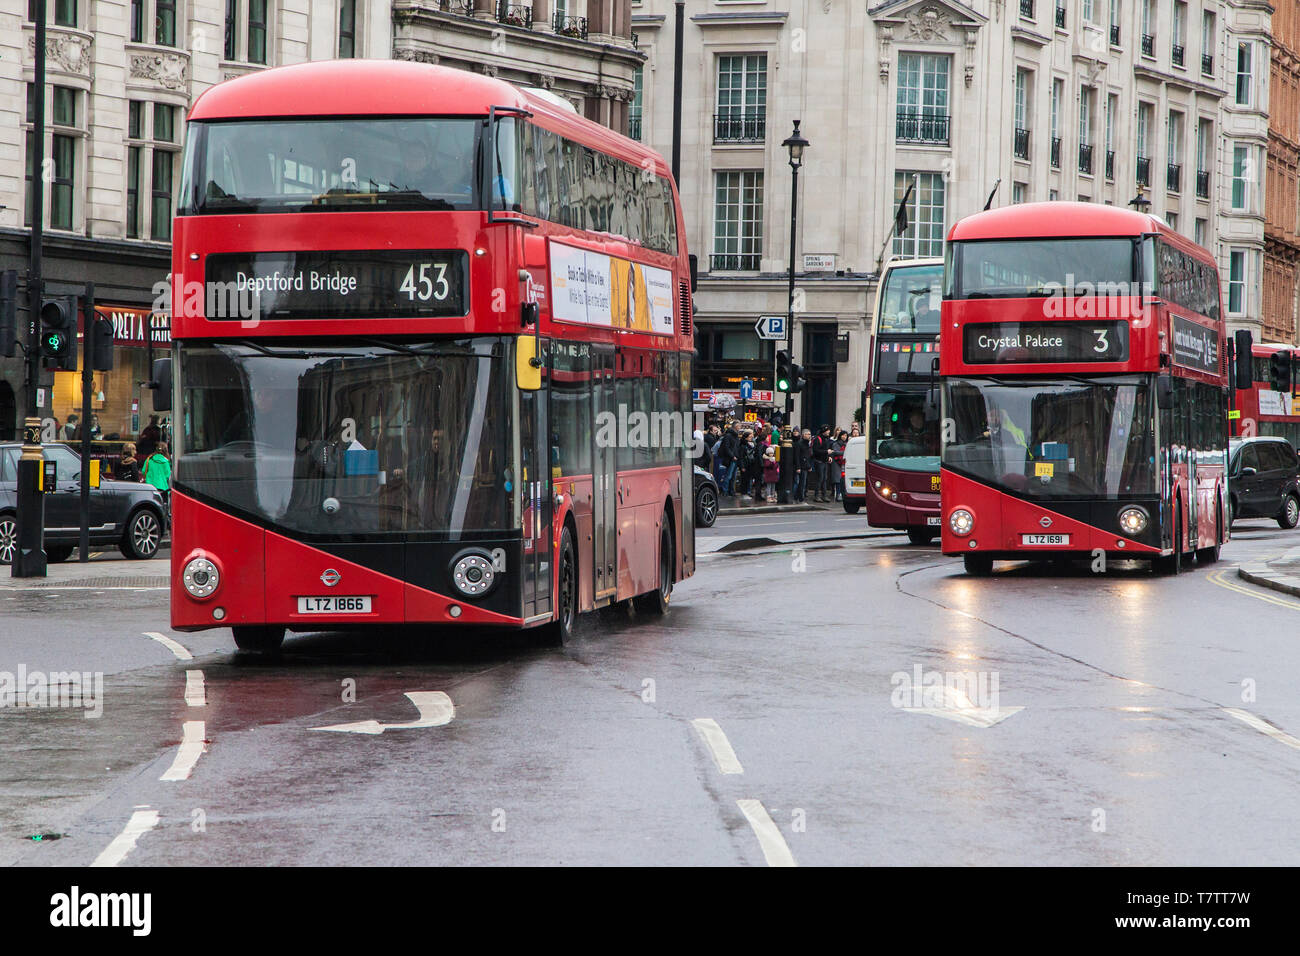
(885, 491)
(1133, 520)
(473, 573)
(961, 521)
(200, 577)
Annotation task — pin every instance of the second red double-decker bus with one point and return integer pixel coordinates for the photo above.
(902, 414)
(1084, 389)
(432, 358)
(1261, 409)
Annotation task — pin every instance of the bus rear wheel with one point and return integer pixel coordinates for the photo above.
(560, 631)
(656, 602)
(260, 639)
(1211, 554)
(977, 564)
(922, 536)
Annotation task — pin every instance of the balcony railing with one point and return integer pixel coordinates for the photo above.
(1114, 34)
(1207, 64)
(1060, 17)
(463, 7)
(515, 15)
(738, 127)
(1110, 164)
(1148, 45)
(1203, 183)
(1144, 171)
(1176, 55)
(1056, 152)
(1027, 9)
(1022, 143)
(1085, 158)
(915, 126)
(1173, 177)
(575, 27)
(634, 127)
(731, 262)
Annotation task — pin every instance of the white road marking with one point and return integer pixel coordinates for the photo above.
(718, 744)
(192, 744)
(957, 706)
(141, 822)
(181, 653)
(774, 847)
(195, 696)
(1263, 726)
(434, 706)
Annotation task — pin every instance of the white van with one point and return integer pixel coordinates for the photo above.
(855, 475)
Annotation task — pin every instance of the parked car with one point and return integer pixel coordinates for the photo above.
(854, 475)
(706, 499)
(1263, 480)
(128, 514)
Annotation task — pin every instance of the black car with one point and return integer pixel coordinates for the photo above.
(128, 514)
(1262, 480)
(706, 499)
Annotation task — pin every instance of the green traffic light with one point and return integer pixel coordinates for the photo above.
(782, 385)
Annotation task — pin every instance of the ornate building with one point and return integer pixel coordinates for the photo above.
(1282, 192)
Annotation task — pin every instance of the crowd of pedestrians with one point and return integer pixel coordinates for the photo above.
(743, 459)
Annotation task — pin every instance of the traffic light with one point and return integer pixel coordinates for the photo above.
(1279, 371)
(59, 333)
(8, 313)
(1244, 372)
(797, 379)
(101, 344)
(784, 371)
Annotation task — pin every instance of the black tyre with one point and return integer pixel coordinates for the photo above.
(1289, 516)
(977, 564)
(1211, 554)
(143, 535)
(261, 639)
(8, 539)
(656, 602)
(1174, 563)
(921, 536)
(560, 631)
(706, 506)
(852, 507)
(58, 553)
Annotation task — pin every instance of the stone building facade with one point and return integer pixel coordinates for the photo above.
(1282, 191)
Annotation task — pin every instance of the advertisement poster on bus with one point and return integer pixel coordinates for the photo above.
(597, 289)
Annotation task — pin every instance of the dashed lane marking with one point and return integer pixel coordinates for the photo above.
(141, 822)
(195, 695)
(187, 756)
(775, 849)
(181, 653)
(718, 744)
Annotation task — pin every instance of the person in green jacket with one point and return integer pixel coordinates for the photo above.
(157, 469)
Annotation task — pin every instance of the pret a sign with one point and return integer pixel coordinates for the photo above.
(1028, 343)
(1195, 346)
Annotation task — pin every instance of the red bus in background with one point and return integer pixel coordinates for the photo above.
(1085, 389)
(1259, 410)
(432, 352)
(902, 414)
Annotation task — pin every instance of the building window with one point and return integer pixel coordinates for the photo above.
(65, 106)
(1199, 231)
(65, 13)
(634, 108)
(1148, 41)
(1017, 193)
(232, 26)
(925, 214)
(137, 21)
(61, 155)
(1242, 174)
(150, 214)
(1174, 154)
(1237, 282)
(1112, 107)
(1058, 87)
(160, 213)
(164, 23)
(742, 99)
(246, 31)
(1143, 144)
(1172, 219)
(1114, 22)
(347, 29)
(133, 192)
(1207, 43)
(1204, 137)
(922, 98)
(737, 221)
(1180, 33)
(1085, 130)
(256, 31)
(1244, 74)
(1022, 115)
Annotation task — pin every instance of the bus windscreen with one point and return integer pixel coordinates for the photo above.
(1035, 268)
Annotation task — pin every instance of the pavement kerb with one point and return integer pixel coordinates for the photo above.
(1266, 577)
(766, 510)
(753, 544)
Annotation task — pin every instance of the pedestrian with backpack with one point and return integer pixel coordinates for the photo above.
(157, 470)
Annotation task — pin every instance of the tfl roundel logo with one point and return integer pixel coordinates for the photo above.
(330, 577)
(1045, 521)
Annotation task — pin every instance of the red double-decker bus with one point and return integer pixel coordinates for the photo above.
(902, 414)
(432, 358)
(1085, 389)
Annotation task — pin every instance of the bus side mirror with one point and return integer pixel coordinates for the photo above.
(1164, 391)
(528, 365)
(695, 271)
(162, 385)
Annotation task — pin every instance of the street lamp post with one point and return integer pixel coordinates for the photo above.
(796, 144)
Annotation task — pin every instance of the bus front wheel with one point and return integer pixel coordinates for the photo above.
(977, 564)
(922, 536)
(560, 631)
(264, 639)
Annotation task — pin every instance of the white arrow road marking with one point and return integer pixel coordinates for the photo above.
(957, 706)
(774, 847)
(1263, 726)
(718, 744)
(194, 693)
(187, 756)
(434, 706)
(180, 652)
(141, 822)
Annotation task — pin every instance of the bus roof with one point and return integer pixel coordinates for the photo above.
(399, 88)
(1056, 219)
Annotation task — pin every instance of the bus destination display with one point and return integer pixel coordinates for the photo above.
(341, 283)
(1025, 343)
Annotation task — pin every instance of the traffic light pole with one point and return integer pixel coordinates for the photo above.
(87, 385)
(29, 557)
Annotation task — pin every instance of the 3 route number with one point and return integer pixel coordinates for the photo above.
(1102, 345)
(425, 286)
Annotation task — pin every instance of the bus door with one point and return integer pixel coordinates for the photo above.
(535, 450)
(604, 478)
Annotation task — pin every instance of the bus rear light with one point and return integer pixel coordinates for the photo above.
(961, 522)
